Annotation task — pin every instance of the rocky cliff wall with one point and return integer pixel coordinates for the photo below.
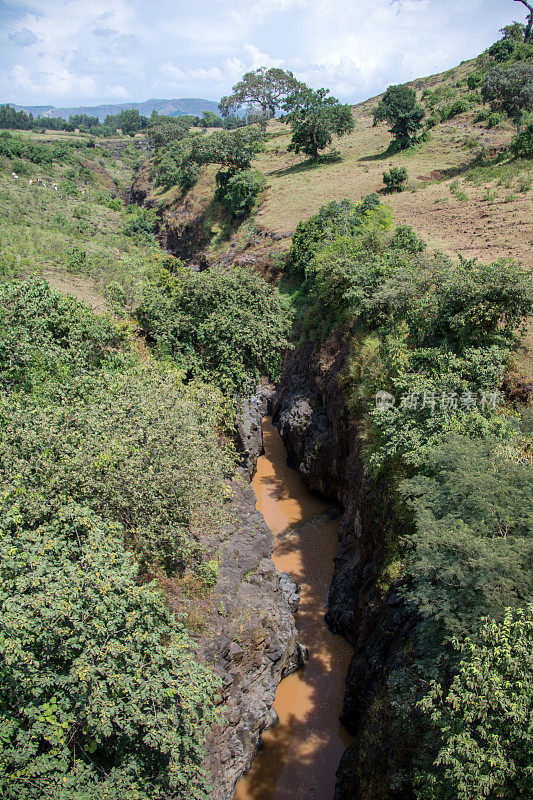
(250, 638)
(323, 443)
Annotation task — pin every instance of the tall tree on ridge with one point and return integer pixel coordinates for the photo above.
(529, 23)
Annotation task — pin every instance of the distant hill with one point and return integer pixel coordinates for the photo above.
(184, 105)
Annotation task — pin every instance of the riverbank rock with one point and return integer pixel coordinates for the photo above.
(248, 427)
(251, 641)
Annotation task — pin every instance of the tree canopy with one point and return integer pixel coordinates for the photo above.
(509, 89)
(315, 118)
(399, 108)
(484, 719)
(262, 90)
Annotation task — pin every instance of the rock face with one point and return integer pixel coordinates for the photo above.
(322, 440)
(252, 642)
(248, 427)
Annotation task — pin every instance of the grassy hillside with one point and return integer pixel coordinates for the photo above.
(461, 194)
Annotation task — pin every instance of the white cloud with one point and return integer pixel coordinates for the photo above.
(133, 50)
(118, 92)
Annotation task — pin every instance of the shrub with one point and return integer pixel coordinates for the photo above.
(167, 173)
(101, 460)
(395, 179)
(239, 192)
(229, 328)
(484, 717)
(494, 120)
(188, 175)
(331, 220)
(474, 80)
(482, 116)
(459, 106)
(100, 691)
(142, 224)
(522, 145)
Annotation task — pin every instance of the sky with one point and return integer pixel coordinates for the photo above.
(70, 52)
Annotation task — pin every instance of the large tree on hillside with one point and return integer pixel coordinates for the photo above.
(529, 24)
(315, 118)
(509, 89)
(399, 108)
(262, 90)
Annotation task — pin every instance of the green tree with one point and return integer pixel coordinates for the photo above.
(167, 173)
(240, 191)
(228, 328)
(529, 24)
(263, 90)
(484, 719)
(399, 108)
(211, 120)
(509, 89)
(315, 118)
(233, 150)
(100, 691)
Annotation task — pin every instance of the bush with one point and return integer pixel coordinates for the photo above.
(167, 173)
(100, 691)
(142, 224)
(395, 179)
(229, 328)
(482, 116)
(522, 145)
(459, 106)
(331, 220)
(109, 472)
(494, 120)
(188, 175)
(474, 80)
(239, 192)
(484, 718)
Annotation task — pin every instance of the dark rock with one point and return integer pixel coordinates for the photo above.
(256, 611)
(291, 591)
(322, 441)
(248, 427)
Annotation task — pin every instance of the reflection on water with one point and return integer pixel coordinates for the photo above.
(300, 756)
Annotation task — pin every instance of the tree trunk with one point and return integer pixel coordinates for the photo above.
(529, 23)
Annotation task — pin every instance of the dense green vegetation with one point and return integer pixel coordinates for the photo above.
(229, 327)
(485, 716)
(109, 471)
(452, 465)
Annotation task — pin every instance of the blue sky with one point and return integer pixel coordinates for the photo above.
(67, 52)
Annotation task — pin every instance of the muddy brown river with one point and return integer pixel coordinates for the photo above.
(300, 756)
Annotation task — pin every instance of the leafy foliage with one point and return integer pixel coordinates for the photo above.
(100, 692)
(332, 219)
(395, 179)
(315, 118)
(239, 192)
(469, 553)
(484, 719)
(228, 328)
(399, 108)
(263, 90)
(449, 466)
(109, 472)
(510, 90)
(522, 145)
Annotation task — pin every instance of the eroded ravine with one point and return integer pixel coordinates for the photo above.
(299, 757)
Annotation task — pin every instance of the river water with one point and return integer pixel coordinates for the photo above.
(300, 756)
